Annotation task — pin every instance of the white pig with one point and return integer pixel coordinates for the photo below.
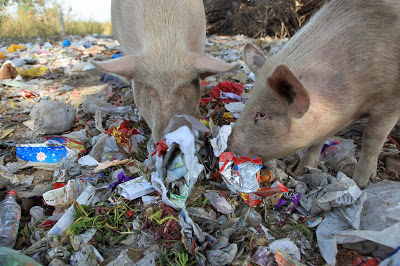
(343, 65)
(164, 42)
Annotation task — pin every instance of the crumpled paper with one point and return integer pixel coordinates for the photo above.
(327, 192)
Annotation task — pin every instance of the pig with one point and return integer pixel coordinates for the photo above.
(343, 65)
(164, 42)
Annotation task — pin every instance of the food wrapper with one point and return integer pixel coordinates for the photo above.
(288, 201)
(255, 198)
(122, 133)
(15, 48)
(270, 191)
(42, 153)
(32, 72)
(240, 173)
(52, 151)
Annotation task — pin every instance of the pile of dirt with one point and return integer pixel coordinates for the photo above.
(259, 18)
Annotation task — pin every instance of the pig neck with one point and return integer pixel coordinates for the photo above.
(162, 25)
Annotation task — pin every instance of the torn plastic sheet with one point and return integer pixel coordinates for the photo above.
(84, 255)
(88, 160)
(328, 193)
(392, 259)
(94, 102)
(184, 138)
(220, 142)
(185, 120)
(379, 225)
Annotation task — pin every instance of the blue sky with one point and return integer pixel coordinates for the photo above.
(97, 10)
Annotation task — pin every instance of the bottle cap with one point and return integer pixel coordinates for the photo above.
(12, 192)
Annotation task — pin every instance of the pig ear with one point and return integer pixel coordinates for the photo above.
(124, 66)
(208, 66)
(287, 88)
(253, 57)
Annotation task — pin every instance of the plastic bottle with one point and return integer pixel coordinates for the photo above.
(10, 214)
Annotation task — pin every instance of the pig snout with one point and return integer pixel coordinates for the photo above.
(236, 142)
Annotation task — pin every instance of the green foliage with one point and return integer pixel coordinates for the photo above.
(110, 221)
(306, 232)
(40, 18)
(177, 256)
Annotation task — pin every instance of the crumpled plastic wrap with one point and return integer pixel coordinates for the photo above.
(52, 117)
(184, 137)
(94, 102)
(379, 228)
(220, 142)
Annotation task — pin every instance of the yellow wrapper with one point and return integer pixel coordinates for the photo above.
(2, 56)
(15, 48)
(32, 72)
(204, 122)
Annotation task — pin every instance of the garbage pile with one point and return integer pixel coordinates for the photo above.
(93, 188)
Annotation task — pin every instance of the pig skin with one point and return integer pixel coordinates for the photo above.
(343, 65)
(163, 41)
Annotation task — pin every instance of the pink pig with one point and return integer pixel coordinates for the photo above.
(164, 42)
(343, 65)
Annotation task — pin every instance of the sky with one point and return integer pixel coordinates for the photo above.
(97, 10)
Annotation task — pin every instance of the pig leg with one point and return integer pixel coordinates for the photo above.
(375, 134)
(310, 158)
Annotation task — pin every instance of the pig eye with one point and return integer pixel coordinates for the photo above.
(262, 116)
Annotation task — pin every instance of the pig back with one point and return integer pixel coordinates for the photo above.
(348, 51)
(149, 25)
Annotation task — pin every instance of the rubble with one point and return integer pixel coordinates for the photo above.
(95, 189)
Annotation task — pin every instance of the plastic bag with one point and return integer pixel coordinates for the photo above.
(11, 257)
(94, 102)
(52, 117)
(337, 149)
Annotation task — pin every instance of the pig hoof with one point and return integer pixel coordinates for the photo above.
(299, 171)
(360, 181)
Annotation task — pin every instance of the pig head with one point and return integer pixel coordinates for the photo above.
(164, 42)
(334, 71)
